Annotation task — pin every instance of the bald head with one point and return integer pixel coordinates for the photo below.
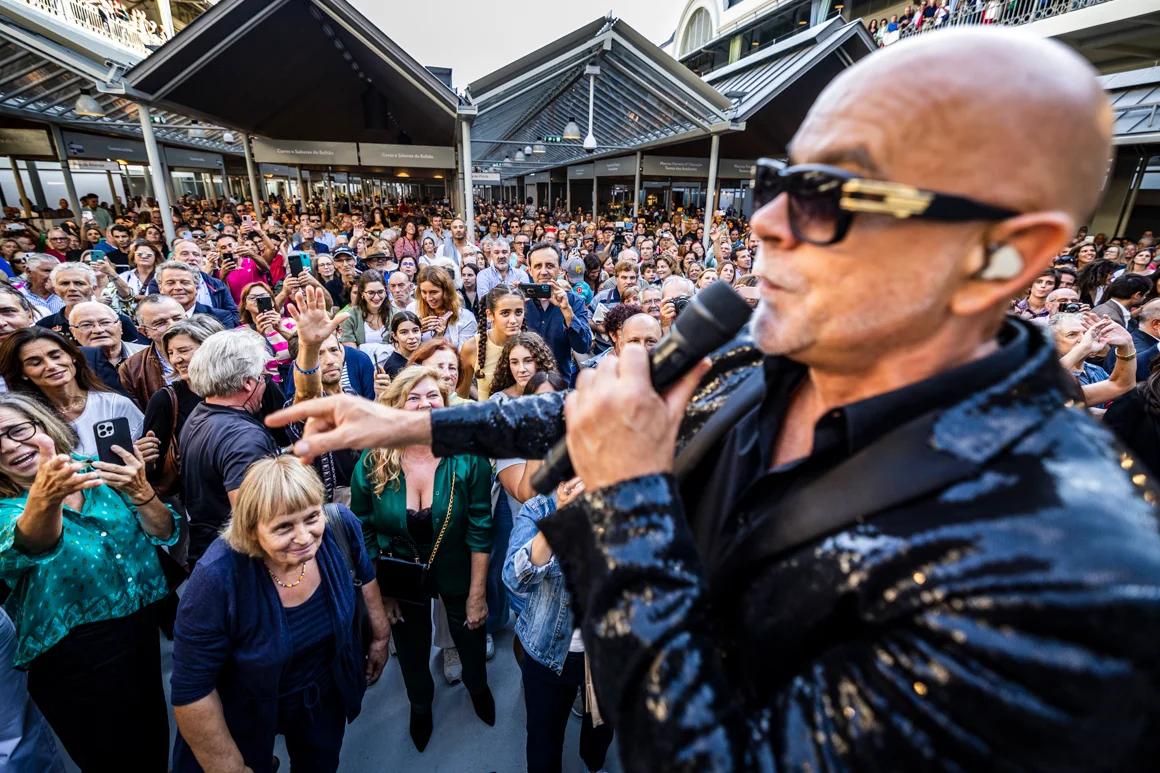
(1024, 121)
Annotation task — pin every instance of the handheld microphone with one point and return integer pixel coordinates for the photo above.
(710, 321)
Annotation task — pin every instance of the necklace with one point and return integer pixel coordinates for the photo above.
(294, 584)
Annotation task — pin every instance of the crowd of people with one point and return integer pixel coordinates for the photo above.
(189, 345)
(300, 579)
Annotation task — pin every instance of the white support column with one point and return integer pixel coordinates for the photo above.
(166, 14)
(117, 206)
(38, 186)
(70, 187)
(301, 186)
(329, 208)
(636, 190)
(711, 193)
(25, 204)
(594, 188)
(468, 186)
(157, 172)
(251, 171)
(567, 193)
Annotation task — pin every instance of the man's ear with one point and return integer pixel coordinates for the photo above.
(1014, 253)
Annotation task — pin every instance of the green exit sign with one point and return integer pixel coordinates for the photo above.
(553, 138)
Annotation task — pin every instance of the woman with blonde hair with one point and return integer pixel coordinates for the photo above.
(429, 519)
(269, 639)
(440, 313)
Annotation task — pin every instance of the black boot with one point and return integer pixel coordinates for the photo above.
(421, 727)
(484, 705)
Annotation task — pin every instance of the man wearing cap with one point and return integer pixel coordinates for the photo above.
(562, 321)
(381, 261)
(345, 274)
(574, 273)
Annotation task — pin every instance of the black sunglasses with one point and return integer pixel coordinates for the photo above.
(824, 199)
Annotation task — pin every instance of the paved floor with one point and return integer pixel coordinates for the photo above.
(378, 741)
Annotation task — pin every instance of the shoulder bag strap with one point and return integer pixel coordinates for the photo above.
(869, 482)
(337, 526)
(447, 520)
(173, 427)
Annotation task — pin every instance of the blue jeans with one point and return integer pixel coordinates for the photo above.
(497, 596)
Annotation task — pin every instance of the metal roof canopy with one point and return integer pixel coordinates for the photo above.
(40, 81)
(1135, 98)
(643, 97)
(234, 64)
(773, 90)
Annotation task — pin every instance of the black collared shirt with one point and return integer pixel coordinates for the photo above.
(737, 484)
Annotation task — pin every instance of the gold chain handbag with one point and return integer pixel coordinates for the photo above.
(408, 579)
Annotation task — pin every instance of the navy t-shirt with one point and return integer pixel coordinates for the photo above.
(218, 444)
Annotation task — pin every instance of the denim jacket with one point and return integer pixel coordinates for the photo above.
(545, 624)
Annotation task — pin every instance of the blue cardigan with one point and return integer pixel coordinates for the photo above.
(231, 635)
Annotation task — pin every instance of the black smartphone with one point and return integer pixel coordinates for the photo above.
(294, 260)
(109, 433)
(265, 303)
(541, 290)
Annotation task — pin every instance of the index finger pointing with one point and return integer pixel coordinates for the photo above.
(307, 409)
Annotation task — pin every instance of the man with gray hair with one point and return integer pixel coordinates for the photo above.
(98, 330)
(38, 286)
(1146, 337)
(675, 294)
(222, 437)
(179, 281)
(76, 283)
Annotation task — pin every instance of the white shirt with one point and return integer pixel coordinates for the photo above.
(462, 329)
(101, 406)
(490, 277)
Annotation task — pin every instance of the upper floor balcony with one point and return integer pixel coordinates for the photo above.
(127, 35)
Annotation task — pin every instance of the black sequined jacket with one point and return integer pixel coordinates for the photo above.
(1010, 621)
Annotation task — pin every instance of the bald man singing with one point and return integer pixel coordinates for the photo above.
(906, 549)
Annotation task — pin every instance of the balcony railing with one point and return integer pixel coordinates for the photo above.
(107, 18)
(1008, 12)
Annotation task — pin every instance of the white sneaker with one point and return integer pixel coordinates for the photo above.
(490, 647)
(452, 666)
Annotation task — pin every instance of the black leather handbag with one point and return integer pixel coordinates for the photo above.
(409, 579)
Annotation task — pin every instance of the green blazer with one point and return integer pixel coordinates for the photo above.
(384, 518)
(353, 329)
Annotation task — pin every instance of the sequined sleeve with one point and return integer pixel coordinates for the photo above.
(526, 427)
(630, 563)
(1010, 661)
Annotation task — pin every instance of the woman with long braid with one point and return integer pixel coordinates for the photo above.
(480, 356)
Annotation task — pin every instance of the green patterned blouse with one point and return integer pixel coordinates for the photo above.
(104, 567)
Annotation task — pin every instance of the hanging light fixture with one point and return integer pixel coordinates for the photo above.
(539, 148)
(87, 106)
(528, 150)
(520, 157)
(591, 71)
(229, 138)
(507, 161)
(571, 130)
(196, 131)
